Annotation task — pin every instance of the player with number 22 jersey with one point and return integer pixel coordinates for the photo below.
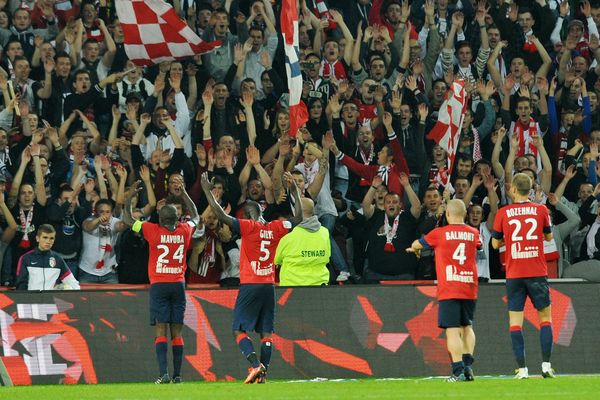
(522, 227)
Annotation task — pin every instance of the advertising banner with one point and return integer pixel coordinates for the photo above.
(334, 332)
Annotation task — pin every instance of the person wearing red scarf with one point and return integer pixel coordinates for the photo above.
(331, 66)
(389, 232)
(28, 211)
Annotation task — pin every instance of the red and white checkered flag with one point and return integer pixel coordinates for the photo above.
(154, 33)
(446, 131)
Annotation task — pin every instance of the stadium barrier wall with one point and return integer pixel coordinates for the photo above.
(335, 332)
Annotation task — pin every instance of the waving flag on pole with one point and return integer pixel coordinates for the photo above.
(289, 29)
(446, 131)
(154, 33)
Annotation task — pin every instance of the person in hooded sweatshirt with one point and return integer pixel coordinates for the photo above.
(24, 33)
(303, 253)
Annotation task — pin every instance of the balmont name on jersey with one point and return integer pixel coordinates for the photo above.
(454, 235)
(513, 212)
(172, 239)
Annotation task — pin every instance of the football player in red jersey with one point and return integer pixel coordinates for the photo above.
(255, 304)
(522, 227)
(169, 242)
(455, 248)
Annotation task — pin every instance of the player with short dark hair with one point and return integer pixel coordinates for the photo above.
(255, 304)
(169, 241)
(41, 268)
(455, 248)
(522, 227)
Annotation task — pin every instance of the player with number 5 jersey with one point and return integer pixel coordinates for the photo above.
(255, 304)
(522, 227)
(169, 241)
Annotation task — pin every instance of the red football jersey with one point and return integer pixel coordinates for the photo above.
(455, 260)
(166, 262)
(259, 242)
(523, 226)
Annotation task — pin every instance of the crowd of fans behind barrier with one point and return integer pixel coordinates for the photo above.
(85, 124)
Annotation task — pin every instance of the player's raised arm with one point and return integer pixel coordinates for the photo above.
(221, 214)
(189, 203)
(127, 211)
(295, 192)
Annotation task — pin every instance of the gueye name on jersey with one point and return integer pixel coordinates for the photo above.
(266, 234)
(454, 235)
(161, 269)
(172, 239)
(312, 253)
(463, 276)
(513, 212)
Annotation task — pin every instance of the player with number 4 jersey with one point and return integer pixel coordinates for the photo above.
(255, 304)
(455, 247)
(169, 242)
(522, 227)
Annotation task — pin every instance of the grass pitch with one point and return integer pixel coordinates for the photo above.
(564, 387)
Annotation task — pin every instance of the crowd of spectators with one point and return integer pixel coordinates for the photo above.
(85, 124)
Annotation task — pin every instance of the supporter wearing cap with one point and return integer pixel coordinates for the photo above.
(576, 31)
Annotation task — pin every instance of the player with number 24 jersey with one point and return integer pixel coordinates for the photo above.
(166, 261)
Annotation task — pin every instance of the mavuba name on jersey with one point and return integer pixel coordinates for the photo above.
(513, 212)
(172, 239)
(460, 235)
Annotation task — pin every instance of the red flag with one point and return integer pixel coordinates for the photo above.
(154, 32)
(289, 29)
(446, 131)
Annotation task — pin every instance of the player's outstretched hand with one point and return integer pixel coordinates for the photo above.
(416, 252)
(135, 189)
(206, 184)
